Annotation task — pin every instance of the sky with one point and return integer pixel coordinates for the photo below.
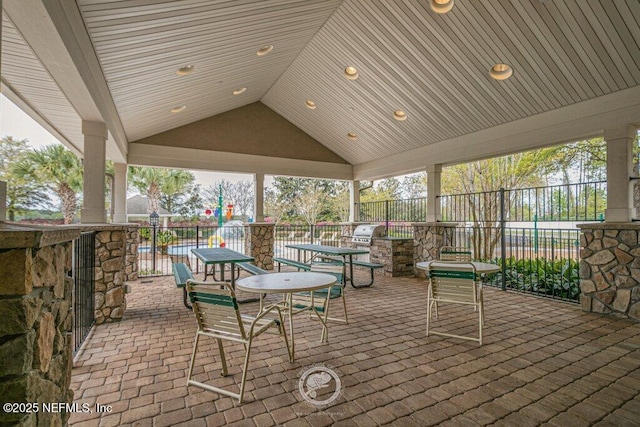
(14, 122)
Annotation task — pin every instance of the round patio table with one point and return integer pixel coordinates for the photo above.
(288, 283)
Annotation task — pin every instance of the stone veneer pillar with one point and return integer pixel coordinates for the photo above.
(36, 311)
(610, 269)
(259, 242)
(116, 263)
(428, 238)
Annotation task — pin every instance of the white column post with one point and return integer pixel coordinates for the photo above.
(354, 199)
(619, 170)
(95, 137)
(120, 193)
(434, 173)
(258, 205)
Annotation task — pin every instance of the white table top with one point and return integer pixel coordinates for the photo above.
(278, 283)
(481, 267)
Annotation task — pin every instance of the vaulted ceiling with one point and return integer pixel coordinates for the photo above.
(576, 70)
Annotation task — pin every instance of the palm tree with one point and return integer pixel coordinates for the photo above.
(22, 193)
(57, 169)
(154, 182)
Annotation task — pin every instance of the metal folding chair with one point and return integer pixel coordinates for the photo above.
(216, 309)
(454, 282)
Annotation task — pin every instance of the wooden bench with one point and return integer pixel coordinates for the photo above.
(182, 273)
(297, 264)
(251, 268)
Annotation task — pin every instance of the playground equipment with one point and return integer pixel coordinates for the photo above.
(216, 241)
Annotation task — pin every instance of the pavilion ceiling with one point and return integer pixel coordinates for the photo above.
(433, 67)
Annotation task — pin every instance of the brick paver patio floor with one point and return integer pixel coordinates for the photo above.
(543, 362)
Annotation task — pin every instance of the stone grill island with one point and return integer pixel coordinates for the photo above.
(36, 310)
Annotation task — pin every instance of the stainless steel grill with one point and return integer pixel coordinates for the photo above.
(363, 234)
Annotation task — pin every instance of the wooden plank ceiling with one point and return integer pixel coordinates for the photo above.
(28, 80)
(433, 67)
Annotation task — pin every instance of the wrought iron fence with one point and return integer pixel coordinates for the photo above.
(84, 262)
(388, 211)
(570, 202)
(539, 261)
(320, 234)
(158, 244)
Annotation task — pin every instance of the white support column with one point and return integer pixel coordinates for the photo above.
(258, 205)
(434, 173)
(95, 137)
(354, 199)
(120, 193)
(619, 170)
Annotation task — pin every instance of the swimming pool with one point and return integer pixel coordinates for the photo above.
(173, 249)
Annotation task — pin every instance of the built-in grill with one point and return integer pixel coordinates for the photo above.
(363, 234)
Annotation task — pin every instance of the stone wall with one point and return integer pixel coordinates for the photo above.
(36, 310)
(259, 242)
(428, 238)
(610, 269)
(131, 253)
(395, 254)
(116, 262)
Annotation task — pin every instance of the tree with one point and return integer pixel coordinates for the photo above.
(478, 182)
(240, 194)
(154, 183)
(272, 207)
(23, 192)
(193, 206)
(288, 192)
(311, 203)
(57, 169)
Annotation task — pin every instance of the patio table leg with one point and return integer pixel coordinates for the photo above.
(185, 298)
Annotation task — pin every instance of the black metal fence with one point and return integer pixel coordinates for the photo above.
(319, 234)
(543, 262)
(158, 244)
(392, 211)
(84, 262)
(571, 202)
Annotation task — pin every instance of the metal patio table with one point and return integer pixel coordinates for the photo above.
(289, 283)
(221, 256)
(333, 251)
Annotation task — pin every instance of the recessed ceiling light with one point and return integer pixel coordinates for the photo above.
(352, 135)
(441, 6)
(501, 71)
(239, 91)
(310, 104)
(186, 70)
(178, 109)
(264, 50)
(399, 115)
(351, 73)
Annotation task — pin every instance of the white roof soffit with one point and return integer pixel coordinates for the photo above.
(568, 124)
(56, 36)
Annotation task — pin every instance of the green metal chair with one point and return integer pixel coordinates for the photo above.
(216, 309)
(455, 283)
(451, 253)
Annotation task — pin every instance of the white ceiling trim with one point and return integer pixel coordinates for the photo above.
(568, 124)
(218, 161)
